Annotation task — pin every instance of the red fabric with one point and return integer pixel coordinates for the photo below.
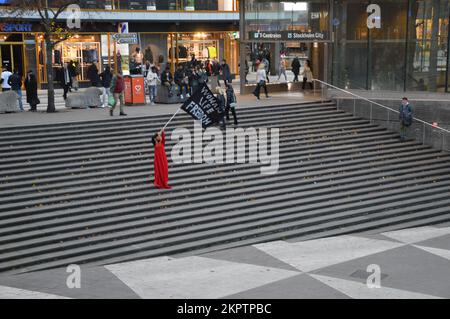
(161, 165)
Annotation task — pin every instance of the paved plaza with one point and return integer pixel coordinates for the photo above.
(414, 264)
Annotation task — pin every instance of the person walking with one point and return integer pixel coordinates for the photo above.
(106, 78)
(73, 72)
(31, 88)
(15, 81)
(307, 75)
(92, 75)
(231, 104)
(117, 88)
(221, 99)
(167, 80)
(282, 69)
(4, 79)
(296, 68)
(266, 64)
(152, 81)
(180, 80)
(405, 117)
(216, 70)
(160, 163)
(226, 72)
(261, 81)
(65, 79)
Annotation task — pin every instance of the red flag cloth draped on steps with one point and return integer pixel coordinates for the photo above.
(161, 165)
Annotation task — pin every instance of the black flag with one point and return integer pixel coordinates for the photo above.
(203, 106)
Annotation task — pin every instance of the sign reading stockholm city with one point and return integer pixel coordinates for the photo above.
(126, 38)
(287, 35)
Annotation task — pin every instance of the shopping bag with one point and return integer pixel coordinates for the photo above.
(111, 101)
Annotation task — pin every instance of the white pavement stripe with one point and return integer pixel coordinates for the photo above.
(15, 293)
(315, 254)
(358, 290)
(435, 251)
(193, 277)
(415, 235)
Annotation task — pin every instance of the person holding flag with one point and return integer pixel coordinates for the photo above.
(161, 165)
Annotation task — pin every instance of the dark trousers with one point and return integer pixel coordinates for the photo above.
(181, 86)
(66, 88)
(295, 77)
(233, 111)
(305, 80)
(257, 91)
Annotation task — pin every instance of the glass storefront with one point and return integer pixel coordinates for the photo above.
(83, 50)
(408, 51)
(152, 5)
(12, 52)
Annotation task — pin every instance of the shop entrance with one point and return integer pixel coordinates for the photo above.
(285, 52)
(12, 56)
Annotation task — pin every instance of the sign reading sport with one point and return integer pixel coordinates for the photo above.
(288, 35)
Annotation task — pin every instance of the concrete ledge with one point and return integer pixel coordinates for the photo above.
(9, 102)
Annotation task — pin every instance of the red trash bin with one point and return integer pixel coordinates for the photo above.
(134, 90)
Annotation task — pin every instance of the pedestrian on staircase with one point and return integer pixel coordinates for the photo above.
(406, 118)
(117, 88)
(31, 88)
(106, 77)
(261, 76)
(231, 104)
(160, 164)
(15, 81)
(307, 75)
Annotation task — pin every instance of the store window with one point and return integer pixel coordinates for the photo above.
(82, 50)
(12, 52)
(203, 45)
(427, 52)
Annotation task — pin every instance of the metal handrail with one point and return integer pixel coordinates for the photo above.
(381, 105)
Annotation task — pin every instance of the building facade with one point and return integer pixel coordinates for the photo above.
(399, 45)
(169, 32)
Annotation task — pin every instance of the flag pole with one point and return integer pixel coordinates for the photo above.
(173, 116)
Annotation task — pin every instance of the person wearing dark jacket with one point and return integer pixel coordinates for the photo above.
(226, 72)
(231, 104)
(31, 88)
(167, 80)
(296, 68)
(92, 75)
(215, 73)
(65, 79)
(220, 96)
(106, 77)
(182, 81)
(15, 81)
(405, 117)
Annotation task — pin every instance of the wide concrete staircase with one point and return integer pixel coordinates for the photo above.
(83, 193)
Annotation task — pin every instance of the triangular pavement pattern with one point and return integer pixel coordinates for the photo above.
(193, 277)
(16, 293)
(302, 286)
(358, 290)
(415, 235)
(96, 283)
(315, 254)
(435, 251)
(249, 255)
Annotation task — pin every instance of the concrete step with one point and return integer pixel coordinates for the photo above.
(82, 192)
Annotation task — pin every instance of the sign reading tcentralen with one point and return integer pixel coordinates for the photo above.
(288, 35)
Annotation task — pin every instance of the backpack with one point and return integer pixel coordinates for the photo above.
(120, 85)
(407, 118)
